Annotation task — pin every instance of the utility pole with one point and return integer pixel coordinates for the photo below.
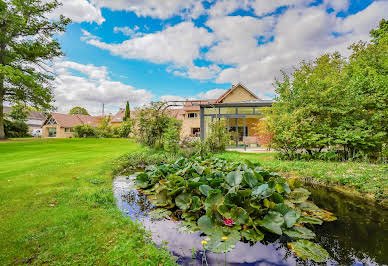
(103, 109)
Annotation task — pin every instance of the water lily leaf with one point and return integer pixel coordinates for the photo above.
(249, 164)
(196, 204)
(263, 191)
(309, 220)
(234, 178)
(250, 179)
(204, 189)
(272, 222)
(183, 201)
(323, 215)
(300, 232)
(232, 198)
(299, 195)
(286, 188)
(206, 225)
(142, 180)
(269, 204)
(187, 227)
(244, 193)
(252, 235)
(224, 211)
(160, 199)
(159, 214)
(309, 250)
(308, 206)
(239, 215)
(259, 177)
(279, 188)
(217, 245)
(290, 216)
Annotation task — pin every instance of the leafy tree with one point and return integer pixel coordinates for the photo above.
(218, 137)
(124, 129)
(171, 137)
(127, 115)
(27, 43)
(78, 111)
(18, 112)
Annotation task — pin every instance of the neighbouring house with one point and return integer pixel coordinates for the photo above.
(62, 125)
(240, 108)
(35, 119)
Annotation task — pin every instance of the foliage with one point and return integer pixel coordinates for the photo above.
(105, 130)
(15, 129)
(18, 112)
(27, 43)
(218, 137)
(262, 132)
(231, 200)
(127, 115)
(124, 129)
(333, 103)
(78, 111)
(151, 123)
(84, 131)
(171, 137)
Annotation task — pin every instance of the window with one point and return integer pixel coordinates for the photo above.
(69, 129)
(195, 131)
(192, 115)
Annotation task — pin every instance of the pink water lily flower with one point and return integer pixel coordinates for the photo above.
(228, 222)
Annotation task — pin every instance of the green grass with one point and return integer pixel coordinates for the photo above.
(368, 179)
(84, 226)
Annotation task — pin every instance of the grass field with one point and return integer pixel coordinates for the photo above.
(57, 205)
(368, 179)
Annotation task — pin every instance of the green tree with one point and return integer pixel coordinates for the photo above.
(27, 43)
(78, 111)
(218, 137)
(18, 112)
(127, 115)
(171, 137)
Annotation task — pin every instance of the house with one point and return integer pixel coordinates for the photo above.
(62, 125)
(35, 119)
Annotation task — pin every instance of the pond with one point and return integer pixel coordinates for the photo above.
(358, 237)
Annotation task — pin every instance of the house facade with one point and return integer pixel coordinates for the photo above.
(62, 125)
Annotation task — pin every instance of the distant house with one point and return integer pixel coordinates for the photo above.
(62, 125)
(35, 119)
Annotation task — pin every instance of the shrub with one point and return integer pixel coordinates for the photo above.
(124, 129)
(218, 137)
(15, 129)
(171, 137)
(85, 131)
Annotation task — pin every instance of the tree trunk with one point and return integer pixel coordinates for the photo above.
(2, 133)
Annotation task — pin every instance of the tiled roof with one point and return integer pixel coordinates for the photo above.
(65, 120)
(118, 118)
(33, 115)
(222, 97)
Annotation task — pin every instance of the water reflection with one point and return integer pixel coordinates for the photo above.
(359, 236)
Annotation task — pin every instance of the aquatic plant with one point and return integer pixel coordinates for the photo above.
(230, 201)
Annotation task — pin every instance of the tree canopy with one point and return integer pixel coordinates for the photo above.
(27, 45)
(335, 103)
(127, 115)
(78, 111)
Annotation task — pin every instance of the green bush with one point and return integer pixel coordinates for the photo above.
(15, 129)
(171, 137)
(124, 129)
(85, 131)
(218, 137)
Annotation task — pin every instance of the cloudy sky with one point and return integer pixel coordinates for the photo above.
(175, 49)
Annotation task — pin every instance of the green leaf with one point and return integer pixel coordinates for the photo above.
(277, 198)
(214, 198)
(263, 191)
(204, 189)
(309, 220)
(234, 178)
(300, 232)
(196, 204)
(309, 250)
(299, 195)
(252, 235)
(142, 180)
(187, 227)
(259, 177)
(217, 245)
(183, 201)
(239, 215)
(250, 179)
(206, 225)
(224, 211)
(199, 169)
(159, 214)
(272, 222)
(290, 216)
(160, 199)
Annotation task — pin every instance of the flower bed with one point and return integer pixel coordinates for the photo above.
(230, 202)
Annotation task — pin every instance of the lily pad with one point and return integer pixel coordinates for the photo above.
(309, 220)
(216, 244)
(183, 201)
(239, 215)
(272, 222)
(263, 191)
(309, 250)
(187, 227)
(250, 179)
(252, 235)
(299, 195)
(234, 178)
(159, 214)
(300, 232)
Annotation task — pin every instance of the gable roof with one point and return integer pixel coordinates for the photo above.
(225, 94)
(32, 115)
(65, 120)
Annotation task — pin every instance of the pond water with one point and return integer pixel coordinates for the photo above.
(358, 237)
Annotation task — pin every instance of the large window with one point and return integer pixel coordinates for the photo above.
(69, 130)
(192, 115)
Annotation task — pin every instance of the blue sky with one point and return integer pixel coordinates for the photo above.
(175, 49)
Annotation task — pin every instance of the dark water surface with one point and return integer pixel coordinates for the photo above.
(358, 237)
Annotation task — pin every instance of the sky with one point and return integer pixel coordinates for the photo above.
(141, 51)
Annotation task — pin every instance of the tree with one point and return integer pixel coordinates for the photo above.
(127, 115)
(78, 111)
(27, 44)
(18, 112)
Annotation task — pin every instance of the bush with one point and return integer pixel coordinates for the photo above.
(218, 137)
(171, 137)
(124, 129)
(85, 131)
(15, 129)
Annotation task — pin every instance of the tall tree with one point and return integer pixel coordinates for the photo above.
(27, 44)
(127, 115)
(78, 111)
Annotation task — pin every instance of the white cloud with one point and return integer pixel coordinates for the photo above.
(127, 31)
(78, 11)
(93, 89)
(211, 94)
(155, 8)
(195, 72)
(226, 7)
(179, 44)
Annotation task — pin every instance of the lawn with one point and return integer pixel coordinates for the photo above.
(369, 180)
(57, 205)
